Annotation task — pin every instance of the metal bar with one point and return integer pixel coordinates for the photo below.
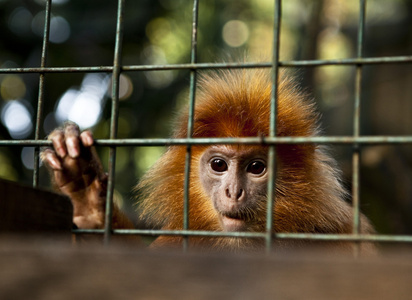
(356, 127)
(382, 238)
(347, 237)
(332, 140)
(113, 121)
(40, 99)
(292, 64)
(199, 66)
(106, 69)
(192, 99)
(271, 188)
(157, 232)
(338, 140)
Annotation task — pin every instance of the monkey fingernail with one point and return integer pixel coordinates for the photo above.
(73, 152)
(87, 139)
(54, 163)
(58, 145)
(61, 151)
(72, 148)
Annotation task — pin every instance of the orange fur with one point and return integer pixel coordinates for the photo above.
(236, 103)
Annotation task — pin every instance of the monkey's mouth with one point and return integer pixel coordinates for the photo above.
(233, 221)
(234, 215)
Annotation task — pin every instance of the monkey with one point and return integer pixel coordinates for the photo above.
(227, 183)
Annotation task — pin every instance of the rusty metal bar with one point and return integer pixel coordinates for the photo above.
(40, 99)
(113, 121)
(271, 188)
(328, 140)
(202, 66)
(192, 99)
(382, 238)
(356, 127)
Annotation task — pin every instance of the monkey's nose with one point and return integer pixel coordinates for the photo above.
(238, 194)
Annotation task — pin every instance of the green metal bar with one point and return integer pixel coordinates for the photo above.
(347, 237)
(382, 238)
(292, 64)
(273, 121)
(337, 140)
(113, 121)
(157, 232)
(331, 140)
(40, 99)
(356, 126)
(192, 99)
(202, 66)
(106, 69)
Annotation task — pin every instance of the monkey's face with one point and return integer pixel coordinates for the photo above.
(235, 178)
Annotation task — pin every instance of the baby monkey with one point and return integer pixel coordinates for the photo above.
(228, 183)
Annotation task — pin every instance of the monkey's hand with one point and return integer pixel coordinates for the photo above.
(77, 172)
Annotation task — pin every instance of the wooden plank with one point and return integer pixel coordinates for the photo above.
(57, 271)
(28, 209)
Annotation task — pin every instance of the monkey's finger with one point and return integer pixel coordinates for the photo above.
(57, 138)
(72, 139)
(87, 138)
(49, 157)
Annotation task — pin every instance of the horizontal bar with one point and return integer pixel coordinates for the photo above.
(365, 140)
(154, 232)
(346, 237)
(106, 69)
(282, 236)
(197, 66)
(349, 61)
(25, 143)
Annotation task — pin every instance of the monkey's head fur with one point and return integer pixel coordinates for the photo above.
(236, 103)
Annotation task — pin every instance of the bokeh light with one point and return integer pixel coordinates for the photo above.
(125, 87)
(235, 33)
(16, 117)
(59, 30)
(7, 169)
(12, 87)
(27, 157)
(153, 55)
(20, 21)
(37, 24)
(83, 106)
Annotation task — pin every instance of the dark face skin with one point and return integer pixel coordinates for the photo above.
(235, 179)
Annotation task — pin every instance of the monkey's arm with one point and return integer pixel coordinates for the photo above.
(76, 171)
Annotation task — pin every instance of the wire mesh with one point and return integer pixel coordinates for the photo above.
(356, 140)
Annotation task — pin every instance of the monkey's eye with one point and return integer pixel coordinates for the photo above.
(218, 165)
(256, 167)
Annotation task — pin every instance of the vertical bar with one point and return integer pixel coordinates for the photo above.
(273, 120)
(114, 121)
(193, 59)
(40, 100)
(356, 126)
